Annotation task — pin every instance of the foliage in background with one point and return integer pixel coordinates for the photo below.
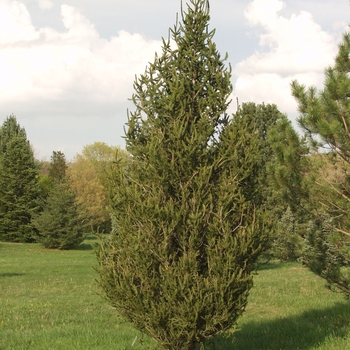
(19, 190)
(258, 188)
(102, 157)
(58, 166)
(185, 237)
(88, 176)
(91, 195)
(286, 244)
(326, 253)
(259, 119)
(60, 224)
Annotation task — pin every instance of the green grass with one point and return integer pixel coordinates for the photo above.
(49, 300)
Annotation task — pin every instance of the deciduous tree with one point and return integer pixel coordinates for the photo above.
(91, 195)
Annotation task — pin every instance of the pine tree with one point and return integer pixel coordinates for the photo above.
(325, 119)
(19, 189)
(185, 239)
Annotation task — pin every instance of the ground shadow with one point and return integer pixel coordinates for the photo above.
(89, 243)
(270, 265)
(301, 332)
(85, 246)
(91, 237)
(10, 274)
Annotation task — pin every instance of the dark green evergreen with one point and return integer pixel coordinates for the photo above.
(19, 189)
(10, 128)
(185, 235)
(59, 225)
(58, 166)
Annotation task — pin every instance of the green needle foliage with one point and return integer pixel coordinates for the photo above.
(59, 225)
(19, 188)
(58, 166)
(185, 236)
(324, 174)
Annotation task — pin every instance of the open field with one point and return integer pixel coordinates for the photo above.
(49, 301)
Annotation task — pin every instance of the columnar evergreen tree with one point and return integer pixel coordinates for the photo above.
(19, 189)
(185, 238)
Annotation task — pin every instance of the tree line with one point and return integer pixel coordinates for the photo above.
(199, 196)
(53, 203)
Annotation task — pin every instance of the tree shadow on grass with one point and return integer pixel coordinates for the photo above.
(89, 243)
(84, 246)
(270, 265)
(300, 332)
(10, 274)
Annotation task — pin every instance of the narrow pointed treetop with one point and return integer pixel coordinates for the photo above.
(185, 238)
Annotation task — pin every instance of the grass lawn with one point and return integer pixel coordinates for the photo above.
(49, 301)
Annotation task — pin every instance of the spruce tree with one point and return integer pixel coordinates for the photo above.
(58, 166)
(60, 225)
(185, 238)
(10, 129)
(19, 189)
(286, 243)
(61, 222)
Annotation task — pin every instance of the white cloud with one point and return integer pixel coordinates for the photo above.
(76, 64)
(45, 4)
(15, 22)
(289, 48)
(67, 87)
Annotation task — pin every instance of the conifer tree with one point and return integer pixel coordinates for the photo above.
(286, 244)
(320, 179)
(60, 225)
(185, 238)
(10, 129)
(58, 166)
(19, 189)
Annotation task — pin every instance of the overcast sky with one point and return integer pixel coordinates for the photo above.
(67, 68)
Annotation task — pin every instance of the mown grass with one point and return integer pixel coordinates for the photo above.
(49, 300)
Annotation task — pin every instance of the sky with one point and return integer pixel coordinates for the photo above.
(67, 68)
